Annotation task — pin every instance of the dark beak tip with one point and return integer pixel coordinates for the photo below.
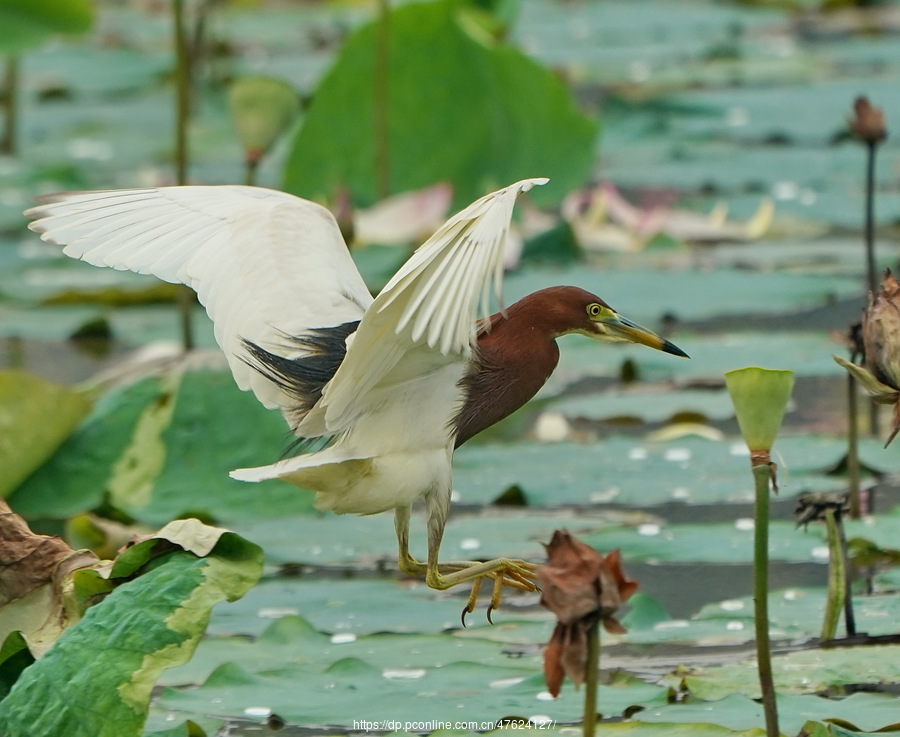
(669, 347)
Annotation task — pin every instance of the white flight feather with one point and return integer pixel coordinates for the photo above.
(265, 264)
(415, 308)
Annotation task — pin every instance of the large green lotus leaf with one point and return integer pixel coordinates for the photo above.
(75, 478)
(97, 678)
(697, 729)
(215, 428)
(736, 711)
(370, 541)
(36, 416)
(351, 608)
(628, 729)
(159, 724)
(819, 729)
(804, 671)
(795, 614)
(363, 605)
(159, 452)
(634, 472)
(732, 542)
(478, 114)
(717, 543)
(357, 605)
(27, 22)
(292, 639)
(402, 677)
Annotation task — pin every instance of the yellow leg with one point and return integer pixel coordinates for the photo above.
(518, 574)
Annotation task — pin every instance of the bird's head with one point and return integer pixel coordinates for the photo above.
(574, 310)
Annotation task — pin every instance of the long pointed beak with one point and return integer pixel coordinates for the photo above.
(622, 328)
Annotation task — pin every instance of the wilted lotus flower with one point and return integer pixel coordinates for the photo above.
(881, 332)
(881, 339)
(582, 587)
(867, 123)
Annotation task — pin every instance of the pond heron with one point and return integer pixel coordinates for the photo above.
(379, 391)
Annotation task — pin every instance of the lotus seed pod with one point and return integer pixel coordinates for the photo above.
(760, 398)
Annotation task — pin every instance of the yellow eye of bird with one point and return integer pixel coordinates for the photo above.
(594, 310)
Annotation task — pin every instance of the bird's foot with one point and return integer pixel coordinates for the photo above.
(517, 574)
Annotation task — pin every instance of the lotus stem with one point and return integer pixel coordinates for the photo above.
(10, 105)
(871, 268)
(182, 91)
(381, 103)
(853, 446)
(849, 616)
(182, 113)
(251, 165)
(762, 474)
(591, 678)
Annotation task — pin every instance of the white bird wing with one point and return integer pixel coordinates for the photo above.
(264, 263)
(427, 313)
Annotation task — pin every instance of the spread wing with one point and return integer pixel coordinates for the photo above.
(426, 316)
(265, 264)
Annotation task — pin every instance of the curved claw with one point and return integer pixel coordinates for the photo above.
(517, 574)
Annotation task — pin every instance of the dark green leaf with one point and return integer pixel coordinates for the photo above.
(477, 114)
(26, 22)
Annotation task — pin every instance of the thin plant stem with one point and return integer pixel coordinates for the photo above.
(871, 274)
(871, 268)
(251, 165)
(591, 677)
(762, 476)
(837, 588)
(381, 102)
(182, 91)
(853, 446)
(849, 616)
(182, 114)
(10, 105)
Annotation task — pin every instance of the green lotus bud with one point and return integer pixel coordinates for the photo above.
(262, 108)
(760, 397)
